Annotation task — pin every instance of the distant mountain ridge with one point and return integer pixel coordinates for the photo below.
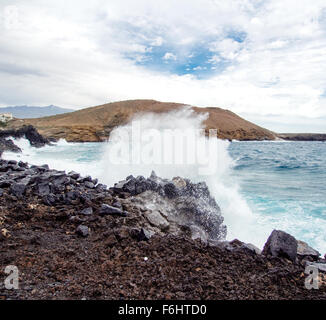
(31, 112)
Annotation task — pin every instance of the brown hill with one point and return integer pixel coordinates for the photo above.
(95, 123)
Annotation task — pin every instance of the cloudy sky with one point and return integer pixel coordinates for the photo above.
(265, 60)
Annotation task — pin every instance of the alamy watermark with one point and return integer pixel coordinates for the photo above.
(9, 17)
(312, 280)
(11, 282)
(134, 145)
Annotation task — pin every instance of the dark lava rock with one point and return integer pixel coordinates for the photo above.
(87, 179)
(82, 231)
(109, 210)
(101, 187)
(23, 164)
(304, 251)
(170, 190)
(29, 132)
(50, 199)
(43, 189)
(117, 204)
(5, 183)
(249, 247)
(18, 189)
(1, 192)
(32, 135)
(72, 195)
(74, 175)
(89, 185)
(140, 235)
(281, 244)
(87, 211)
(8, 145)
(192, 201)
(62, 180)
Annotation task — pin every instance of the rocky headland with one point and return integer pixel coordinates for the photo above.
(26, 132)
(96, 123)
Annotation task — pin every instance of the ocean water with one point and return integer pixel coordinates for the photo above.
(284, 184)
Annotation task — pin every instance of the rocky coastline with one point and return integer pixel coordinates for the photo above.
(302, 136)
(27, 132)
(72, 237)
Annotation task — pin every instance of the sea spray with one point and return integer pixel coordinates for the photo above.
(61, 155)
(203, 159)
(157, 146)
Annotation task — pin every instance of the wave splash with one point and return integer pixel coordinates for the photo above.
(97, 160)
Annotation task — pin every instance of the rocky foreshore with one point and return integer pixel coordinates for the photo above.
(71, 237)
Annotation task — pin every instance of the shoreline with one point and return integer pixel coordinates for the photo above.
(72, 238)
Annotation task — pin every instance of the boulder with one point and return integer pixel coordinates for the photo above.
(8, 145)
(74, 175)
(170, 190)
(87, 179)
(250, 248)
(304, 251)
(101, 187)
(176, 204)
(23, 164)
(50, 199)
(6, 183)
(157, 220)
(60, 180)
(34, 138)
(281, 244)
(223, 245)
(82, 231)
(18, 189)
(87, 211)
(141, 234)
(129, 186)
(89, 185)
(109, 210)
(71, 196)
(43, 189)
(117, 204)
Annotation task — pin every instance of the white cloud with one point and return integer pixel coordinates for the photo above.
(157, 42)
(78, 53)
(227, 48)
(169, 56)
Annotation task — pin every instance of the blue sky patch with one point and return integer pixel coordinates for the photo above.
(197, 62)
(238, 36)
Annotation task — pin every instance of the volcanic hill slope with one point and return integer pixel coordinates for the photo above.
(95, 124)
